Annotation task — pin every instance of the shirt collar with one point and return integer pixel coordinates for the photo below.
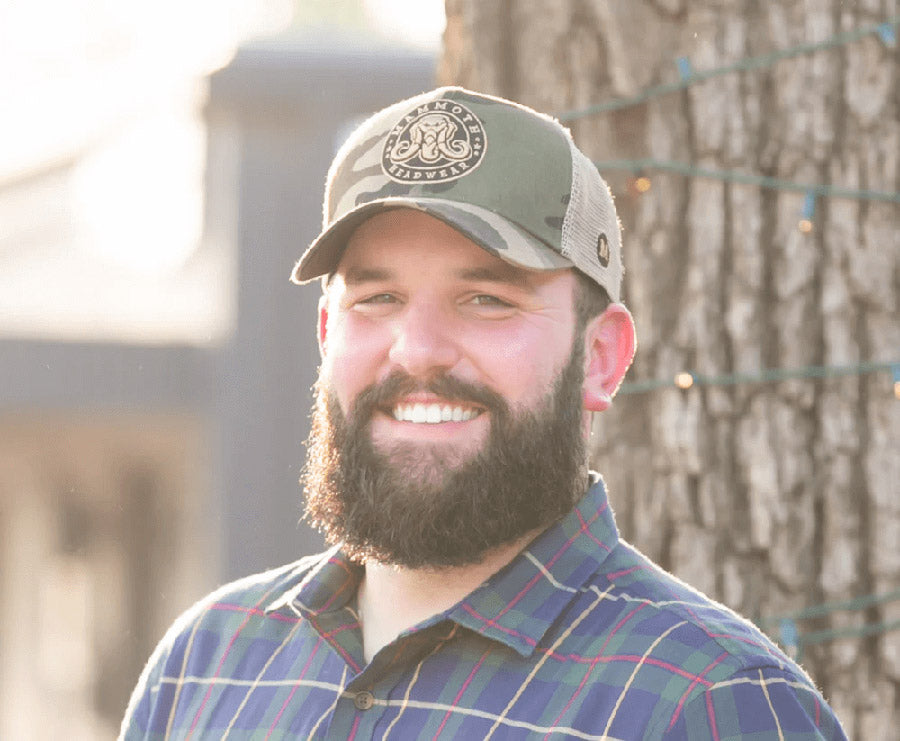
(519, 603)
(329, 584)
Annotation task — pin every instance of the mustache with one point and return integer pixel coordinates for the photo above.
(399, 384)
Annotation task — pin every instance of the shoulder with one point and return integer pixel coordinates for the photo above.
(687, 614)
(201, 631)
(250, 596)
(724, 677)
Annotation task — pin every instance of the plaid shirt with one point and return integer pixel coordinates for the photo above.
(579, 637)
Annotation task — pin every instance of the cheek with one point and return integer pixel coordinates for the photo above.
(351, 360)
(523, 364)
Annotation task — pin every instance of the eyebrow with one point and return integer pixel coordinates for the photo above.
(498, 274)
(357, 275)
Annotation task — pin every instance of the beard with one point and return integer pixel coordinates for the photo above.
(418, 506)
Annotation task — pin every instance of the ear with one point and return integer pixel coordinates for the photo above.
(322, 328)
(609, 349)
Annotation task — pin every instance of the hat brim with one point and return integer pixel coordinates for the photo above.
(487, 229)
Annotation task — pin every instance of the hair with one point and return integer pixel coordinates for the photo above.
(591, 300)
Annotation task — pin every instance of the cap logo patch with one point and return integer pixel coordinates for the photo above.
(435, 142)
(603, 249)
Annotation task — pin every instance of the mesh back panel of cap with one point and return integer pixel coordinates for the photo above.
(591, 212)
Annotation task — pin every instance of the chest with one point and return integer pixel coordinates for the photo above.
(445, 682)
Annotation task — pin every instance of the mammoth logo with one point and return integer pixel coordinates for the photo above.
(430, 138)
(436, 142)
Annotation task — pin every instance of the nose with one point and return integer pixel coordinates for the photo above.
(423, 342)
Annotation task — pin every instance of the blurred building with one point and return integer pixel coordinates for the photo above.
(153, 408)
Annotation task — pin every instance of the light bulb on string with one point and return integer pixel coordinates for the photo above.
(639, 184)
(684, 380)
(805, 225)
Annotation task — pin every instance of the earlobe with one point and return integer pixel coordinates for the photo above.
(609, 349)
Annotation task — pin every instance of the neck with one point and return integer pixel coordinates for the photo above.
(393, 599)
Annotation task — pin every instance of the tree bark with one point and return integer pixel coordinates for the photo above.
(768, 496)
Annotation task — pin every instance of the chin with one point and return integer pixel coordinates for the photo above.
(427, 464)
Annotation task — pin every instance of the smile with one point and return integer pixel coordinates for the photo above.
(433, 413)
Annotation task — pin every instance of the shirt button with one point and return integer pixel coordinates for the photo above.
(363, 700)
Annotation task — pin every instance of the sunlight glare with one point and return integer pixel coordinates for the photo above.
(418, 23)
(139, 197)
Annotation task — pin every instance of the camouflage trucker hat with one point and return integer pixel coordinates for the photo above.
(507, 177)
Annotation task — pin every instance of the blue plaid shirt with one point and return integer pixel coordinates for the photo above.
(580, 636)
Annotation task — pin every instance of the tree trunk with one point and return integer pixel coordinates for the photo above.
(773, 496)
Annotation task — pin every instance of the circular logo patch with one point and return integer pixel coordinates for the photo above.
(434, 143)
(603, 250)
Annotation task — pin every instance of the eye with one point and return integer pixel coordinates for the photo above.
(488, 306)
(379, 298)
(485, 299)
(375, 304)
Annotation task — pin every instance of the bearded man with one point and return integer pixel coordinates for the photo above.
(476, 586)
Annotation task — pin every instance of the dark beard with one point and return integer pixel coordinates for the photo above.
(411, 508)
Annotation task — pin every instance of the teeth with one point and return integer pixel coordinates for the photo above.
(433, 413)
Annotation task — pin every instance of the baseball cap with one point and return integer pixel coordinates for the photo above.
(507, 177)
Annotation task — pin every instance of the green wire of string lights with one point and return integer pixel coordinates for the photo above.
(749, 63)
(685, 380)
(821, 636)
(794, 641)
(826, 608)
(763, 181)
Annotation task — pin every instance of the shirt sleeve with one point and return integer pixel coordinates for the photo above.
(758, 703)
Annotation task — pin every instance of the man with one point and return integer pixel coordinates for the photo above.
(476, 587)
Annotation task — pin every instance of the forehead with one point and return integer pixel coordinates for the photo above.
(408, 241)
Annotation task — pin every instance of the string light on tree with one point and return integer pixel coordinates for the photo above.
(809, 209)
(638, 184)
(684, 380)
(687, 76)
(786, 630)
(686, 169)
(689, 379)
